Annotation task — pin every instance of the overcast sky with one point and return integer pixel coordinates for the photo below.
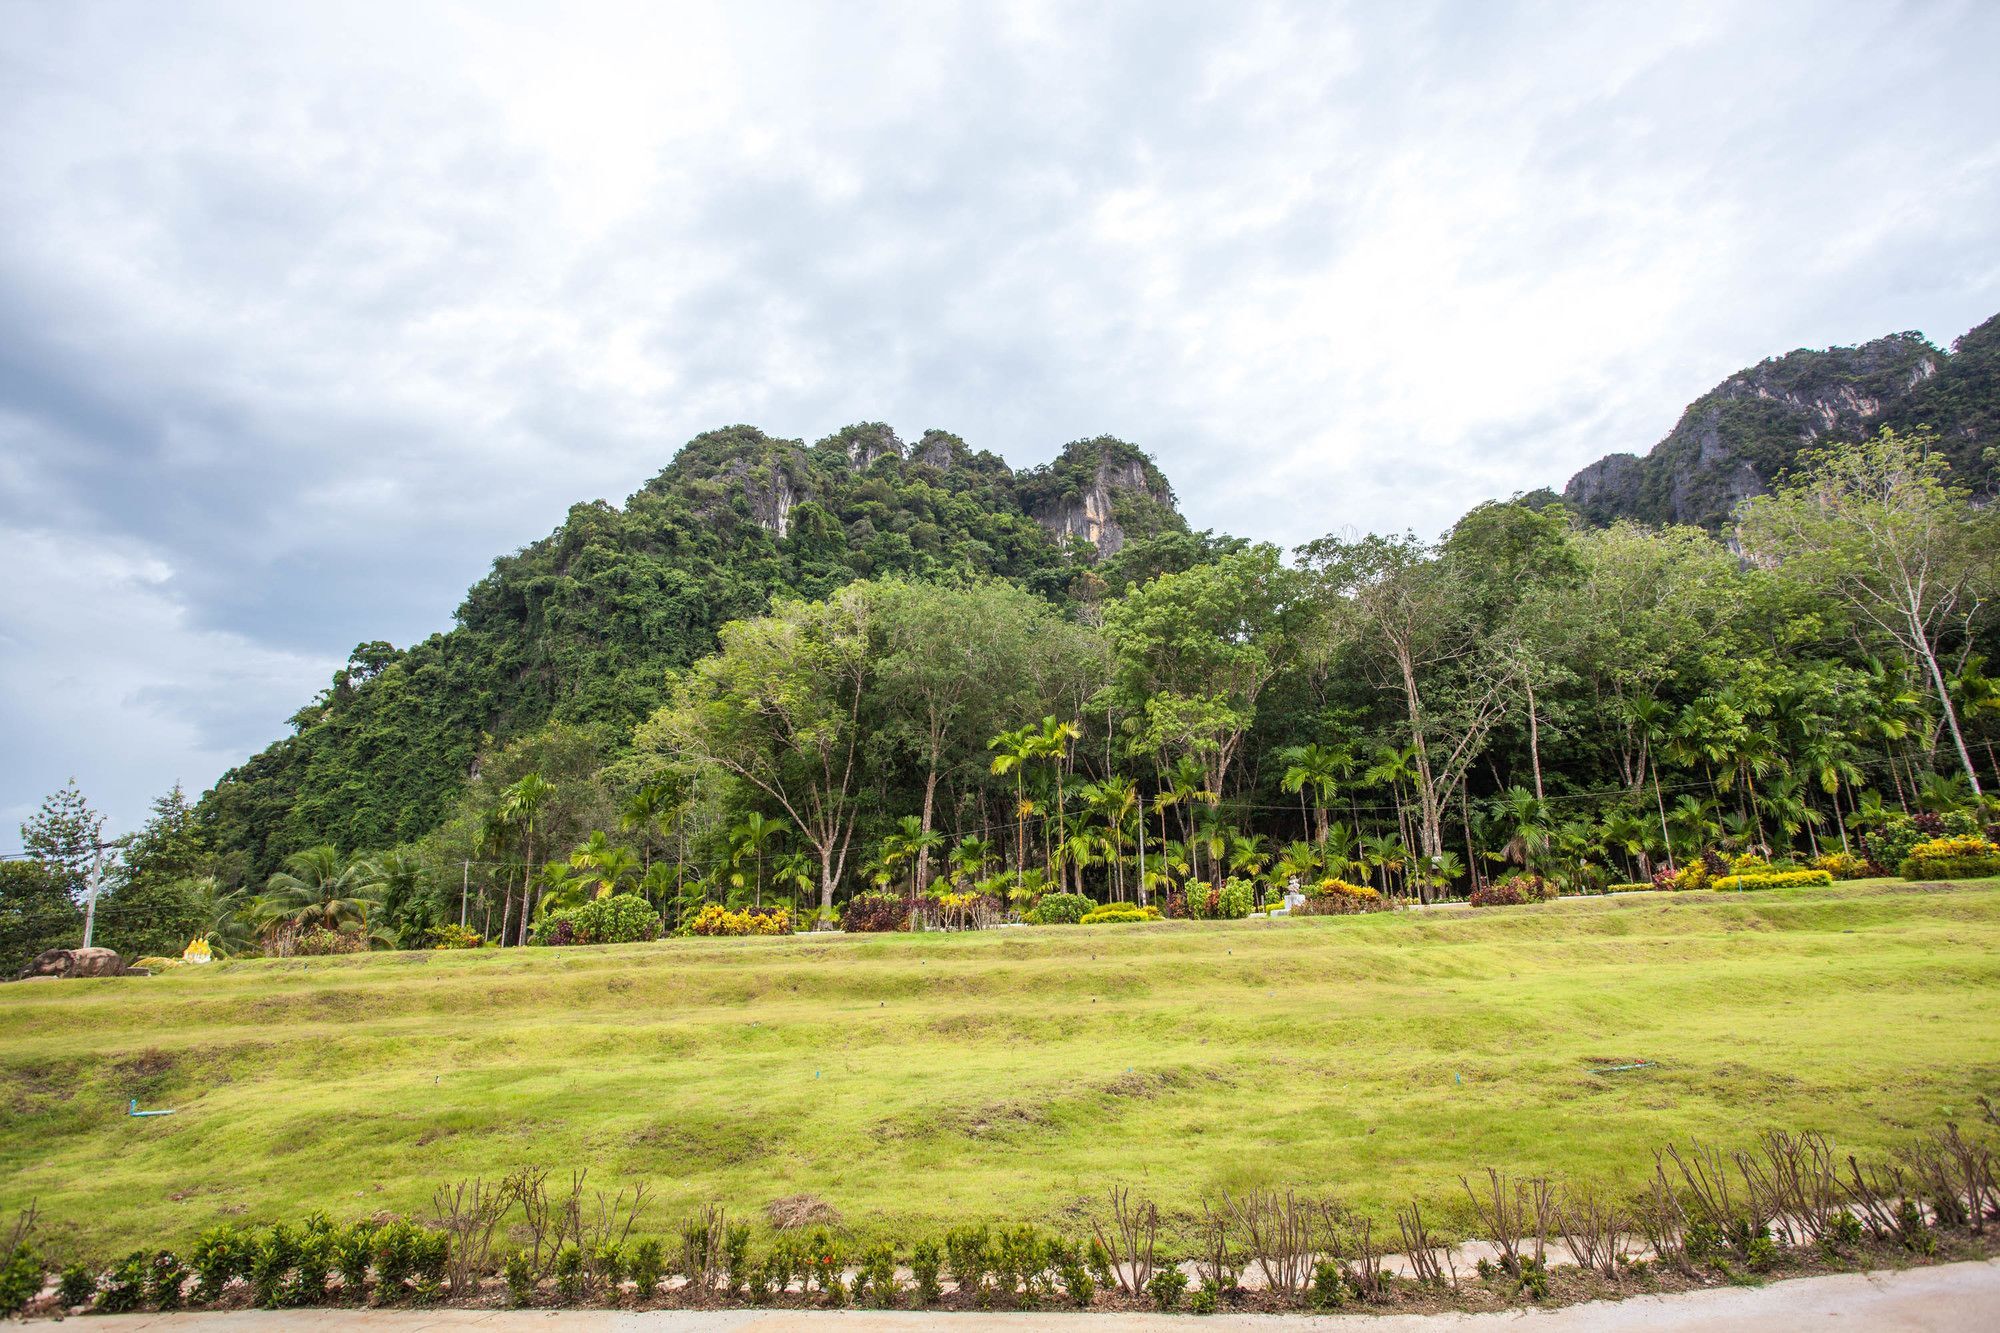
(309, 311)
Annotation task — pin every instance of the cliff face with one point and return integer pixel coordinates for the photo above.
(1102, 491)
(1735, 440)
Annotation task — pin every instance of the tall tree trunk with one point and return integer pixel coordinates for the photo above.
(923, 875)
(1950, 716)
(1534, 736)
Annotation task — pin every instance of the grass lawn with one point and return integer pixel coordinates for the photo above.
(918, 1080)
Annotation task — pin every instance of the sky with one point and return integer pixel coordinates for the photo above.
(307, 312)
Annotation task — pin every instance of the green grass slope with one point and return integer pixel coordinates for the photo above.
(915, 1081)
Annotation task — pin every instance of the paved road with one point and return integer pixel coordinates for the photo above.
(1951, 1298)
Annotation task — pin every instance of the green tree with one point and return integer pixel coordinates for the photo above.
(319, 887)
(1877, 526)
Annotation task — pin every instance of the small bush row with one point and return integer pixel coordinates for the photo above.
(1701, 1213)
(618, 918)
(715, 919)
(1770, 879)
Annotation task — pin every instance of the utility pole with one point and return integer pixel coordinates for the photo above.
(91, 888)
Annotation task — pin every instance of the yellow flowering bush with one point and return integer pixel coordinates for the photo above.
(1841, 865)
(1772, 879)
(715, 919)
(1963, 857)
(1337, 897)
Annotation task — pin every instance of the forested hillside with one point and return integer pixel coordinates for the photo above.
(1736, 440)
(585, 626)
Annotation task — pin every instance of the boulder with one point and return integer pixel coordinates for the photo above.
(91, 962)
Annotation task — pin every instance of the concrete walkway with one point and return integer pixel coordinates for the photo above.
(1951, 1298)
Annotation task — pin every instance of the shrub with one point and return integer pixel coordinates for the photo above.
(454, 936)
(1199, 901)
(1963, 857)
(924, 1265)
(1166, 1287)
(277, 1249)
(219, 1254)
(715, 919)
(75, 1287)
(20, 1280)
(319, 942)
(1841, 865)
(621, 918)
(872, 913)
(1891, 845)
(1206, 1300)
(520, 1280)
(1329, 1285)
(1747, 863)
(125, 1289)
(1514, 890)
(1646, 887)
(1117, 913)
(406, 1252)
(1061, 909)
(876, 1282)
(569, 1274)
(1771, 879)
(353, 1249)
(1336, 897)
(1234, 900)
(314, 1264)
(649, 1263)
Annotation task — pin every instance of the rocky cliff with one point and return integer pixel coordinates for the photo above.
(1732, 442)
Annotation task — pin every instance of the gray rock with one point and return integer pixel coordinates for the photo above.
(91, 962)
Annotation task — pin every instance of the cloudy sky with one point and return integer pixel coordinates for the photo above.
(308, 311)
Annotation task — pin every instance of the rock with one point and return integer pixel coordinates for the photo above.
(91, 962)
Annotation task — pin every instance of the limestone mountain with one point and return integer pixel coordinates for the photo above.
(1732, 442)
(586, 625)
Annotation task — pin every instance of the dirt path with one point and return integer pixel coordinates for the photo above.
(1951, 1298)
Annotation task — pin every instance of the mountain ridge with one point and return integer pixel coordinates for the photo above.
(1737, 439)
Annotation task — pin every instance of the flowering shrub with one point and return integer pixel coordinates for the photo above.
(868, 913)
(1116, 913)
(715, 919)
(1771, 879)
(1514, 890)
(1336, 897)
(1747, 863)
(1061, 909)
(454, 937)
(1891, 845)
(622, 918)
(1841, 865)
(969, 910)
(1963, 857)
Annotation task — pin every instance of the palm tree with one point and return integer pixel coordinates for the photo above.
(1623, 831)
(1385, 853)
(226, 915)
(1184, 785)
(752, 838)
(645, 813)
(970, 856)
(908, 845)
(1114, 801)
(604, 865)
(1340, 852)
(316, 888)
(1392, 769)
(1299, 862)
(1522, 820)
(1652, 719)
(1052, 743)
(1318, 768)
(520, 804)
(1017, 749)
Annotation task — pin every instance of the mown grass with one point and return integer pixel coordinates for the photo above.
(918, 1081)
